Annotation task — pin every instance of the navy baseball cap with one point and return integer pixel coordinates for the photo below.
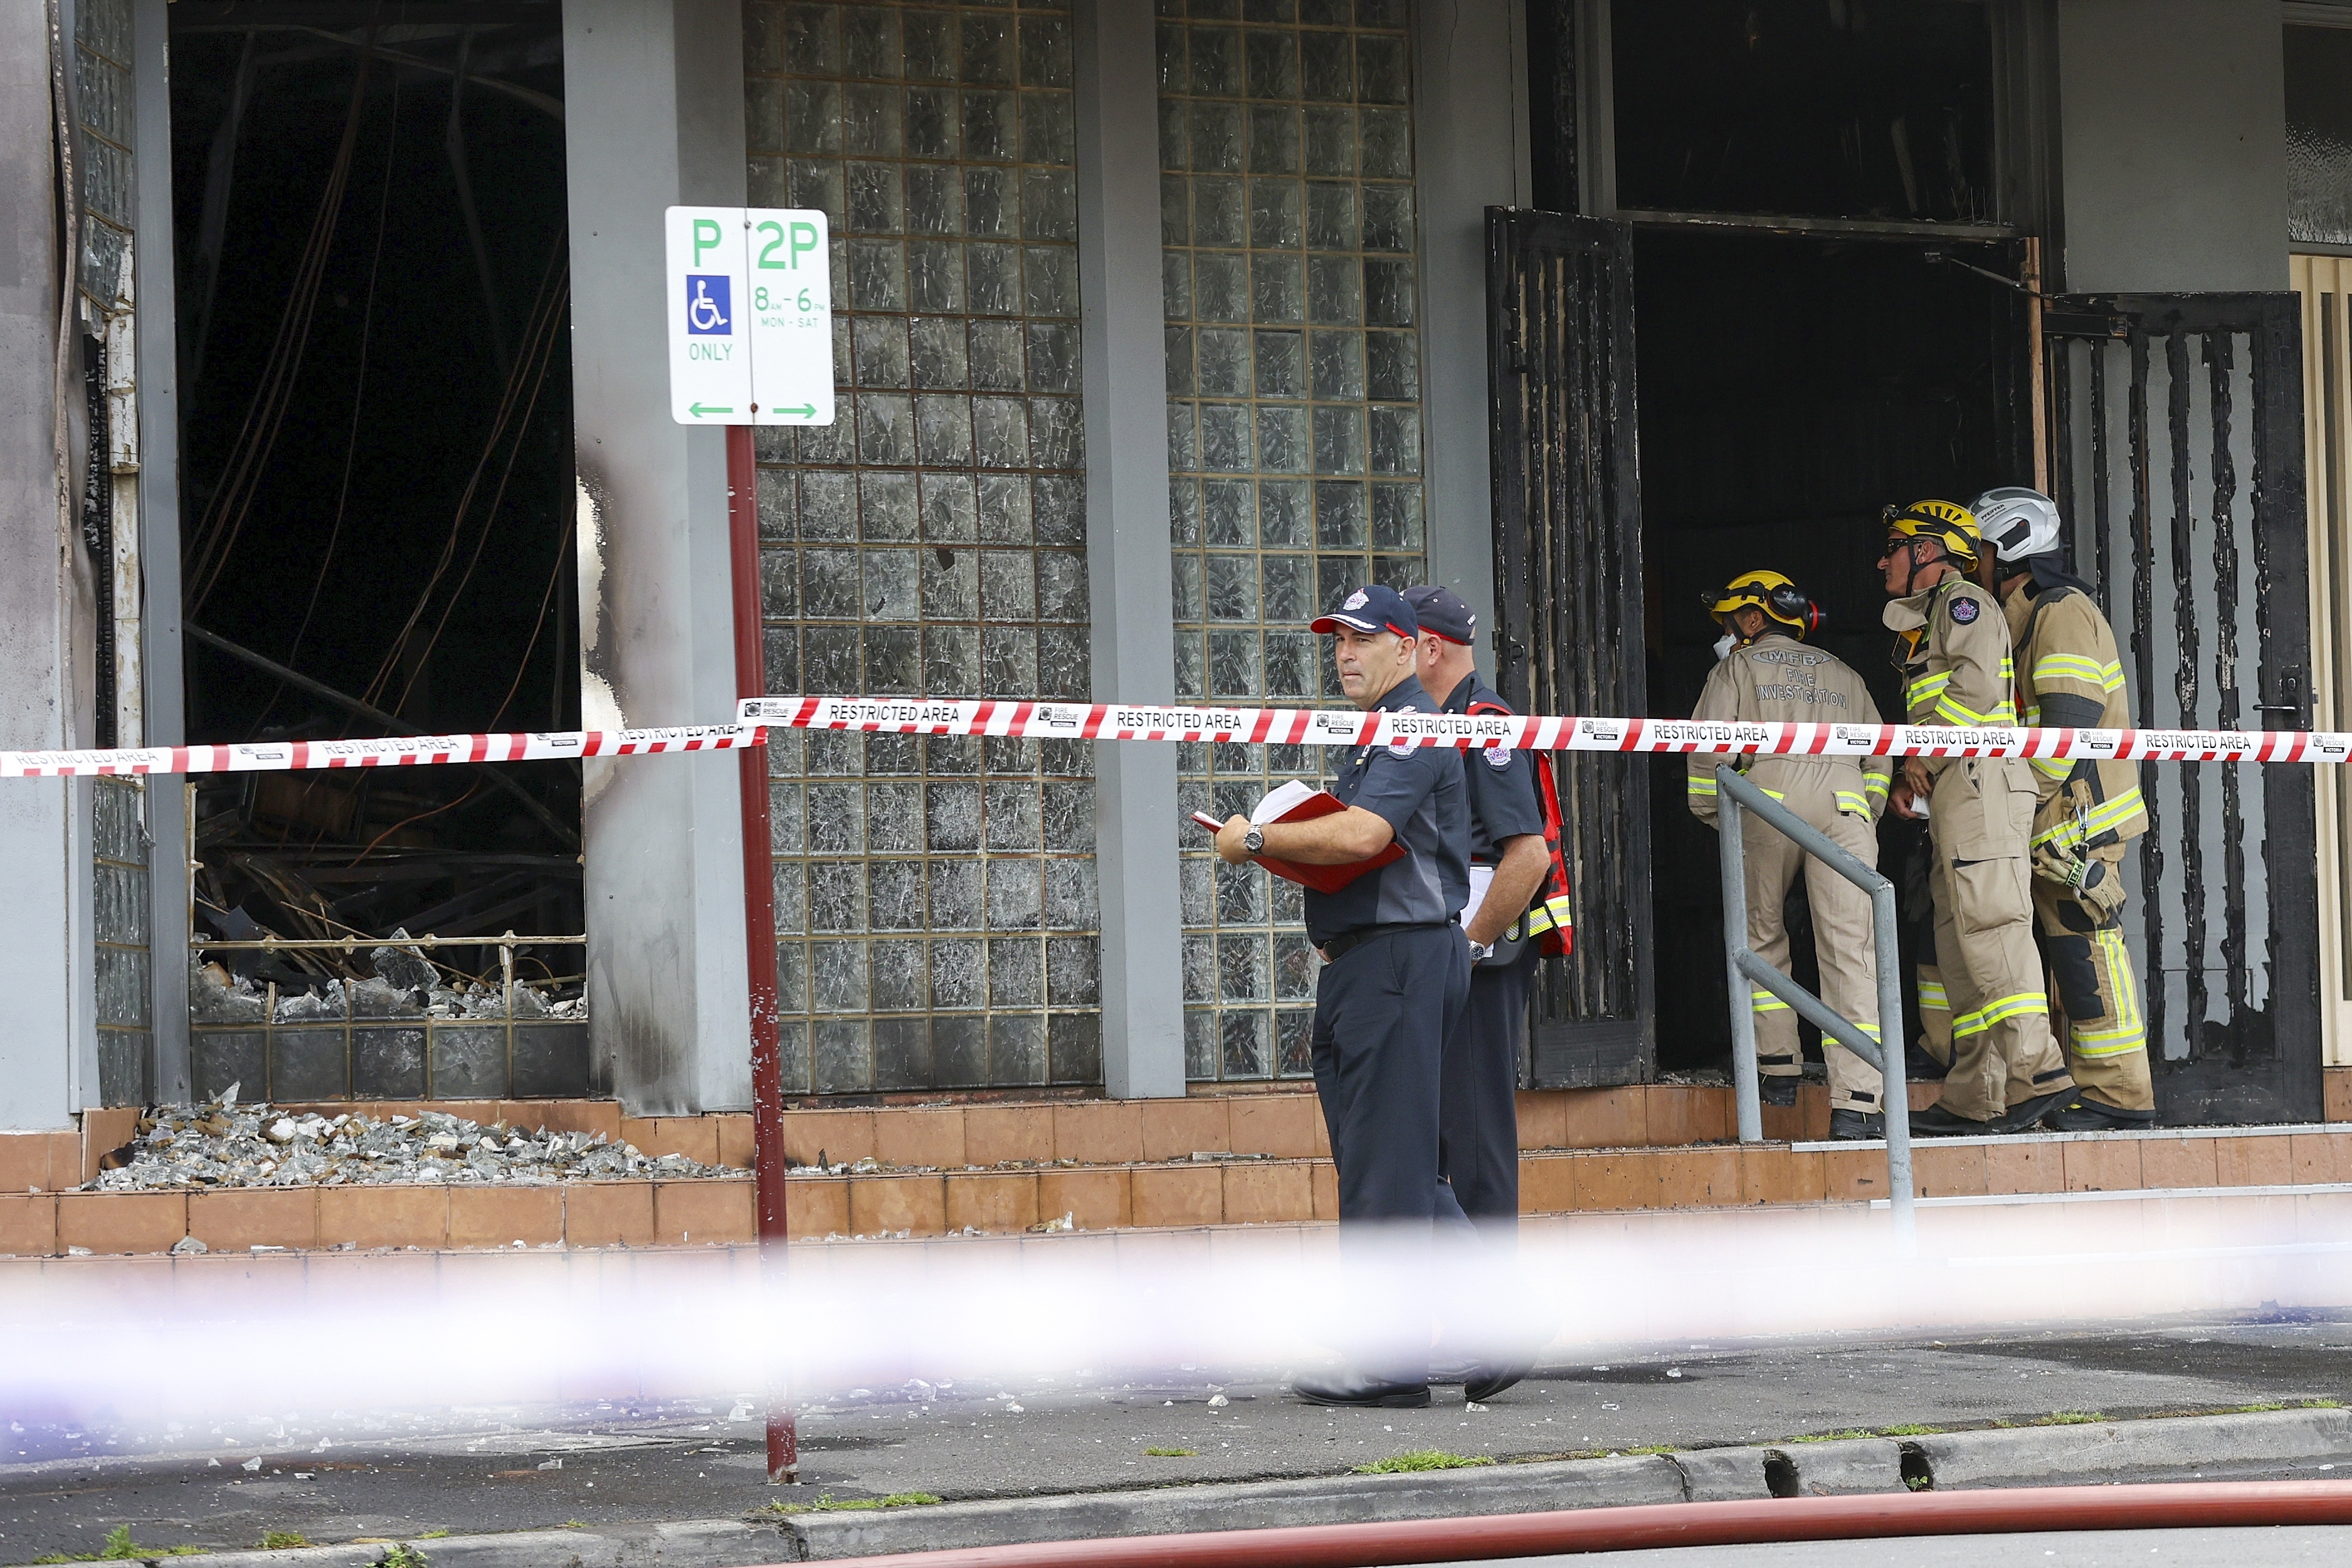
(1372, 609)
(1441, 613)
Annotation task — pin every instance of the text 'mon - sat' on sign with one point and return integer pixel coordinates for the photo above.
(749, 294)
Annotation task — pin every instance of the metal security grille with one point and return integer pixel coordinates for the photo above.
(935, 899)
(124, 966)
(1294, 381)
(1568, 548)
(2177, 429)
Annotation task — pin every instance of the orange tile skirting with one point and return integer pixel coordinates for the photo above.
(1114, 1195)
(1128, 1166)
(1278, 1121)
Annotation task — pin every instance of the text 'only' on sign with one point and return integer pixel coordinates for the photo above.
(750, 302)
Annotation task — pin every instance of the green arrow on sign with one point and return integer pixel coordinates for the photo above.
(806, 411)
(699, 410)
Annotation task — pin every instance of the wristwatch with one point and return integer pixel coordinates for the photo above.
(1254, 839)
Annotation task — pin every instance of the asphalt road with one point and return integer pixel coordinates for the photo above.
(409, 1473)
(2296, 1546)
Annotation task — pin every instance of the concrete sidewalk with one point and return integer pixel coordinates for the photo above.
(606, 1478)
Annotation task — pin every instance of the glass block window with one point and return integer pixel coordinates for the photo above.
(1294, 381)
(935, 899)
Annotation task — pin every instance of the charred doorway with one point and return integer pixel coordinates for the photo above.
(373, 351)
(1793, 386)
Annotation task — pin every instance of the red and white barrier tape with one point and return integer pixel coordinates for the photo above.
(1300, 726)
(1286, 726)
(397, 752)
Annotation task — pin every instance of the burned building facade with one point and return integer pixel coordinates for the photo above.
(338, 406)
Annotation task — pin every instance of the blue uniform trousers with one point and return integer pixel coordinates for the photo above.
(1479, 1117)
(1382, 1013)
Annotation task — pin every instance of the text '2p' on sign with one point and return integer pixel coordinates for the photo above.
(748, 292)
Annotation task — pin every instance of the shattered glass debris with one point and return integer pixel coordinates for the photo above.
(213, 997)
(226, 1144)
(217, 996)
(405, 967)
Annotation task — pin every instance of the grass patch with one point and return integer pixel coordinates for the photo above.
(2323, 1405)
(121, 1548)
(2067, 1418)
(402, 1555)
(1173, 1453)
(1826, 1437)
(829, 1504)
(1422, 1459)
(1918, 1483)
(1648, 1449)
(434, 1535)
(283, 1539)
(1909, 1429)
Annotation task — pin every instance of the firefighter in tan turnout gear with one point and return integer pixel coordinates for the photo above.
(1768, 674)
(2070, 676)
(1952, 651)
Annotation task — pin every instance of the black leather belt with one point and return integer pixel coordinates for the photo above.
(1347, 941)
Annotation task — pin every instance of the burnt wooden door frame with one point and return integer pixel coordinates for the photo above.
(1568, 609)
(2257, 1065)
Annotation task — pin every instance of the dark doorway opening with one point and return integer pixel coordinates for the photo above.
(1791, 386)
(376, 448)
(1827, 107)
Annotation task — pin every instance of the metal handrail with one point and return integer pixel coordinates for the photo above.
(1735, 792)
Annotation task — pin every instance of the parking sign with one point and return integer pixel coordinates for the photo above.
(751, 316)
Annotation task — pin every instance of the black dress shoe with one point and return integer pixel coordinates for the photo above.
(1486, 1382)
(2027, 1115)
(1935, 1122)
(1353, 1390)
(1778, 1090)
(2090, 1116)
(1853, 1126)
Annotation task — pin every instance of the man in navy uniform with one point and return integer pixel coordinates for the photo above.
(1395, 979)
(1478, 1123)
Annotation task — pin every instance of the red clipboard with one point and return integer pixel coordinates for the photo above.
(1321, 878)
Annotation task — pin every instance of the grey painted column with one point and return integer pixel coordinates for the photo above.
(654, 94)
(160, 653)
(2172, 127)
(1470, 126)
(39, 864)
(1127, 561)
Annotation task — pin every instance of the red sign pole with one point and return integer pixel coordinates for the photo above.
(760, 941)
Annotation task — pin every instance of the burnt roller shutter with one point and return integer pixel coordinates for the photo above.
(1567, 553)
(2176, 433)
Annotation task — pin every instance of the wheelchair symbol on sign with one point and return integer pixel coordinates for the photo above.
(709, 309)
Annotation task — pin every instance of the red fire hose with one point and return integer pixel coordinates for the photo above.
(1990, 1512)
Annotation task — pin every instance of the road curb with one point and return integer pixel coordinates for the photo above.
(2179, 1442)
(1252, 1505)
(1953, 1460)
(693, 1544)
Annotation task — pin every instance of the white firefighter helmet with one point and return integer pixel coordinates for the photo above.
(2018, 522)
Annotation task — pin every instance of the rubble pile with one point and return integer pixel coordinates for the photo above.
(228, 1144)
(220, 998)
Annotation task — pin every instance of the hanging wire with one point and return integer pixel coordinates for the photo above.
(523, 666)
(545, 349)
(223, 517)
(359, 393)
(553, 284)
